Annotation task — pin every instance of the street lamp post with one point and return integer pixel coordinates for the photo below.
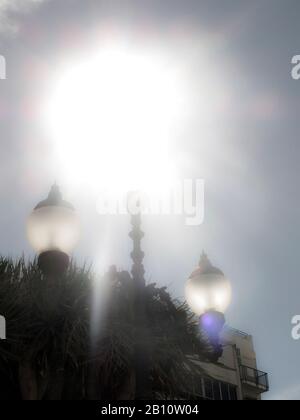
(142, 357)
(53, 231)
(208, 293)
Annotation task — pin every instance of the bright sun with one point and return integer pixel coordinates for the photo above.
(111, 116)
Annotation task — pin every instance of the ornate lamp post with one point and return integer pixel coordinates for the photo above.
(53, 231)
(208, 293)
(142, 357)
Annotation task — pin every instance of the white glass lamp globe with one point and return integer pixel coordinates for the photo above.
(53, 225)
(207, 289)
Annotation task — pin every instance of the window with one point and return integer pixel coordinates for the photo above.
(208, 387)
(232, 393)
(218, 391)
(225, 392)
(239, 355)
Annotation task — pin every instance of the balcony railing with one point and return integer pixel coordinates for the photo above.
(255, 378)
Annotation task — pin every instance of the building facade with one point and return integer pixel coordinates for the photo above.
(235, 376)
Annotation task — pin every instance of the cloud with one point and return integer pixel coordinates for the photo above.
(9, 9)
(292, 393)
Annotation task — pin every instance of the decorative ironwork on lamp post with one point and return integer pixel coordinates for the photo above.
(137, 255)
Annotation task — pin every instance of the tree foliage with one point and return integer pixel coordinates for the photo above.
(61, 345)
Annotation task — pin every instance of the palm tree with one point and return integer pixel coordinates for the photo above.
(52, 351)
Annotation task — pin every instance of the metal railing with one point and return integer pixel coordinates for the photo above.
(255, 378)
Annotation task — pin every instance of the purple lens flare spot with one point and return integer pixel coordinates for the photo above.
(212, 323)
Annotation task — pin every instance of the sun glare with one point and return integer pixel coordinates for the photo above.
(111, 116)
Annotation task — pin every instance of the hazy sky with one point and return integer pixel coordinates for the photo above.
(237, 55)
